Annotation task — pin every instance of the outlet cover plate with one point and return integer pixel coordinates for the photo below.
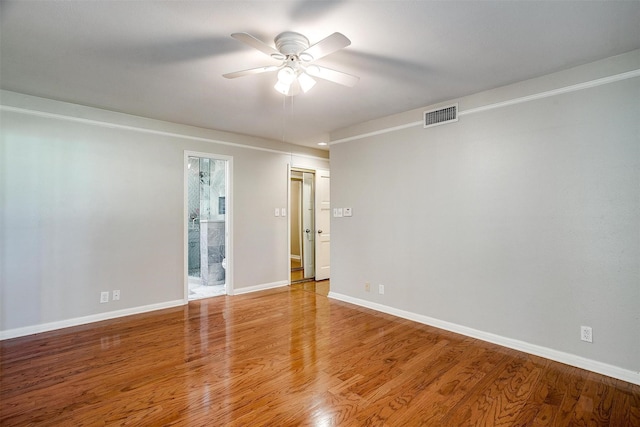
(104, 297)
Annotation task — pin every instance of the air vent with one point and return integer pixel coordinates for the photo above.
(441, 116)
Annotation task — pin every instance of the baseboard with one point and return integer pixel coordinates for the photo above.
(76, 321)
(548, 353)
(296, 257)
(51, 326)
(262, 287)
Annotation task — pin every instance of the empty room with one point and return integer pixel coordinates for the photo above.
(320, 213)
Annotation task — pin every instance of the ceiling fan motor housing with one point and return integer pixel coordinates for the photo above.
(290, 43)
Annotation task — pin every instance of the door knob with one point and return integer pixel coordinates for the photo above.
(319, 231)
(307, 231)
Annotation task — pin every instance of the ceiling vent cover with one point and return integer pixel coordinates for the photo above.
(441, 116)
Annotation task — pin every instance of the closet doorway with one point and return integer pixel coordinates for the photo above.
(302, 225)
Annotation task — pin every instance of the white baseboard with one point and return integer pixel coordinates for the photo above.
(45, 327)
(51, 326)
(548, 353)
(262, 287)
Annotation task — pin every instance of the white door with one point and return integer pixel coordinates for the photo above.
(308, 239)
(323, 225)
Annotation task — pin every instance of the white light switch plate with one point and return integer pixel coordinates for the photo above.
(283, 211)
(337, 212)
(347, 211)
(276, 212)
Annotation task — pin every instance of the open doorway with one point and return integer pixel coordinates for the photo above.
(302, 231)
(207, 183)
(309, 225)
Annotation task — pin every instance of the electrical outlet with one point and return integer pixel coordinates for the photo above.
(381, 289)
(367, 287)
(104, 297)
(586, 333)
(115, 296)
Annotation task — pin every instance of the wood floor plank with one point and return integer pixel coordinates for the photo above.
(435, 401)
(290, 357)
(595, 403)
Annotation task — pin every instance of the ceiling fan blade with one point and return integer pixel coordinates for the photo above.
(324, 47)
(250, 71)
(332, 75)
(255, 43)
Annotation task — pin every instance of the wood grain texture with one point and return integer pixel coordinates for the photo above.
(288, 357)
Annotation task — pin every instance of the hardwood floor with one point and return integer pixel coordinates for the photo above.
(297, 271)
(297, 275)
(290, 357)
(321, 287)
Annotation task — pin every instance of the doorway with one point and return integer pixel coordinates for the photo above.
(302, 225)
(309, 225)
(207, 236)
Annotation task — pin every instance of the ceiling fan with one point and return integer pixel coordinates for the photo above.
(297, 61)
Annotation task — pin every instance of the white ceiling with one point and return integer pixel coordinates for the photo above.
(165, 59)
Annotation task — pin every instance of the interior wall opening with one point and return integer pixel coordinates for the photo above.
(207, 227)
(302, 231)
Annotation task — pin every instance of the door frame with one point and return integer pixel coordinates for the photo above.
(315, 173)
(228, 219)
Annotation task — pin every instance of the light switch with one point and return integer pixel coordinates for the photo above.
(276, 212)
(283, 211)
(347, 211)
(337, 212)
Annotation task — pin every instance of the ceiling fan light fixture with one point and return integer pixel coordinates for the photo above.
(313, 69)
(306, 82)
(283, 88)
(286, 75)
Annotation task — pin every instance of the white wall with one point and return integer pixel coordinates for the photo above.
(93, 200)
(517, 224)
